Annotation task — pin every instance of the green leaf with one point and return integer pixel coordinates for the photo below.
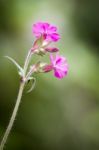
(21, 71)
(33, 84)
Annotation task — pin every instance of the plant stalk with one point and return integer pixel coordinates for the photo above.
(21, 88)
(7, 132)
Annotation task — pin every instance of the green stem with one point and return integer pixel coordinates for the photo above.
(7, 132)
(9, 127)
(27, 61)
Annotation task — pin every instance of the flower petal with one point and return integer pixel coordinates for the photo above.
(47, 30)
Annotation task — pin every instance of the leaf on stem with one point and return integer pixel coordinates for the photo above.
(21, 71)
(32, 84)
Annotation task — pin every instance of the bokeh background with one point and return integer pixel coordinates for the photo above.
(58, 114)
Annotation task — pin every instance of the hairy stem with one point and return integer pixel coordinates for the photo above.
(27, 61)
(7, 132)
(9, 127)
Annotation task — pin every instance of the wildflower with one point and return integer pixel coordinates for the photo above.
(59, 65)
(46, 30)
(45, 34)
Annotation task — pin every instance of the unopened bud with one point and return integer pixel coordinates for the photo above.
(52, 49)
(47, 68)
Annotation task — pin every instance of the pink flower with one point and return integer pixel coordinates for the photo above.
(59, 65)
(46, 30)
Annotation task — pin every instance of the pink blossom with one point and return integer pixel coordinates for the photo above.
(46, 30)
(59, 65)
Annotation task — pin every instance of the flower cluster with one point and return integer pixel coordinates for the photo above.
(45, 34)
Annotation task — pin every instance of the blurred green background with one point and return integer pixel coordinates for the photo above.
(58, 114)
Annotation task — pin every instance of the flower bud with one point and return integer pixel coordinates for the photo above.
(47, 68)
(52, 49)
